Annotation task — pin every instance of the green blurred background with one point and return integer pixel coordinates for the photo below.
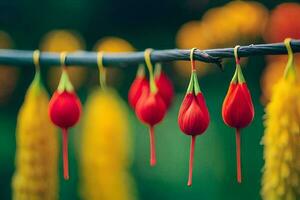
(144, 24)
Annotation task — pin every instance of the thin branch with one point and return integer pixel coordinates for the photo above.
(85, 58)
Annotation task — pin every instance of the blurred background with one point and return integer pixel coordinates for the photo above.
(113, 25)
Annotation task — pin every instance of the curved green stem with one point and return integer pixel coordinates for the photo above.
(153, 87)
(290, 66)
(102, 78)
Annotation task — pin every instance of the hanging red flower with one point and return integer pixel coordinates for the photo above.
(164, 86)
(150, 108)
(238, 110)
(193, 117)
(64, 112)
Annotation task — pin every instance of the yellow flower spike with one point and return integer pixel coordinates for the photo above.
(281, 174)
(106, 148)
(37, 147)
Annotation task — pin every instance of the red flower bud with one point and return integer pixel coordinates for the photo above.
(193, 117)
(165, 86)
(64, 112)
(151, 109)
(64, 109)
(136, 87)
(237, 110)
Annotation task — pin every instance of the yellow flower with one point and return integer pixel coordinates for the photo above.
(281, 173)
(105, 150)
(37, 149)
(272, 74)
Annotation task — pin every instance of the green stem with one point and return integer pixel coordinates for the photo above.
(191, 84)
(65, 83)
(241, 78)
(235, 76)
(102, 78)
(147, 55)
(141, 71)
(153, 87)
(238, 76)
(196, 84)
(290, 66)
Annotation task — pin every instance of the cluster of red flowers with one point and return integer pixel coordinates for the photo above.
(151, 99)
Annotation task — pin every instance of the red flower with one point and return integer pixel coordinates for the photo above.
(238, 110)
(151, 109)
(165, 86)
(136, 87)
(64, 112)
(64, 109)
(193, 117)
